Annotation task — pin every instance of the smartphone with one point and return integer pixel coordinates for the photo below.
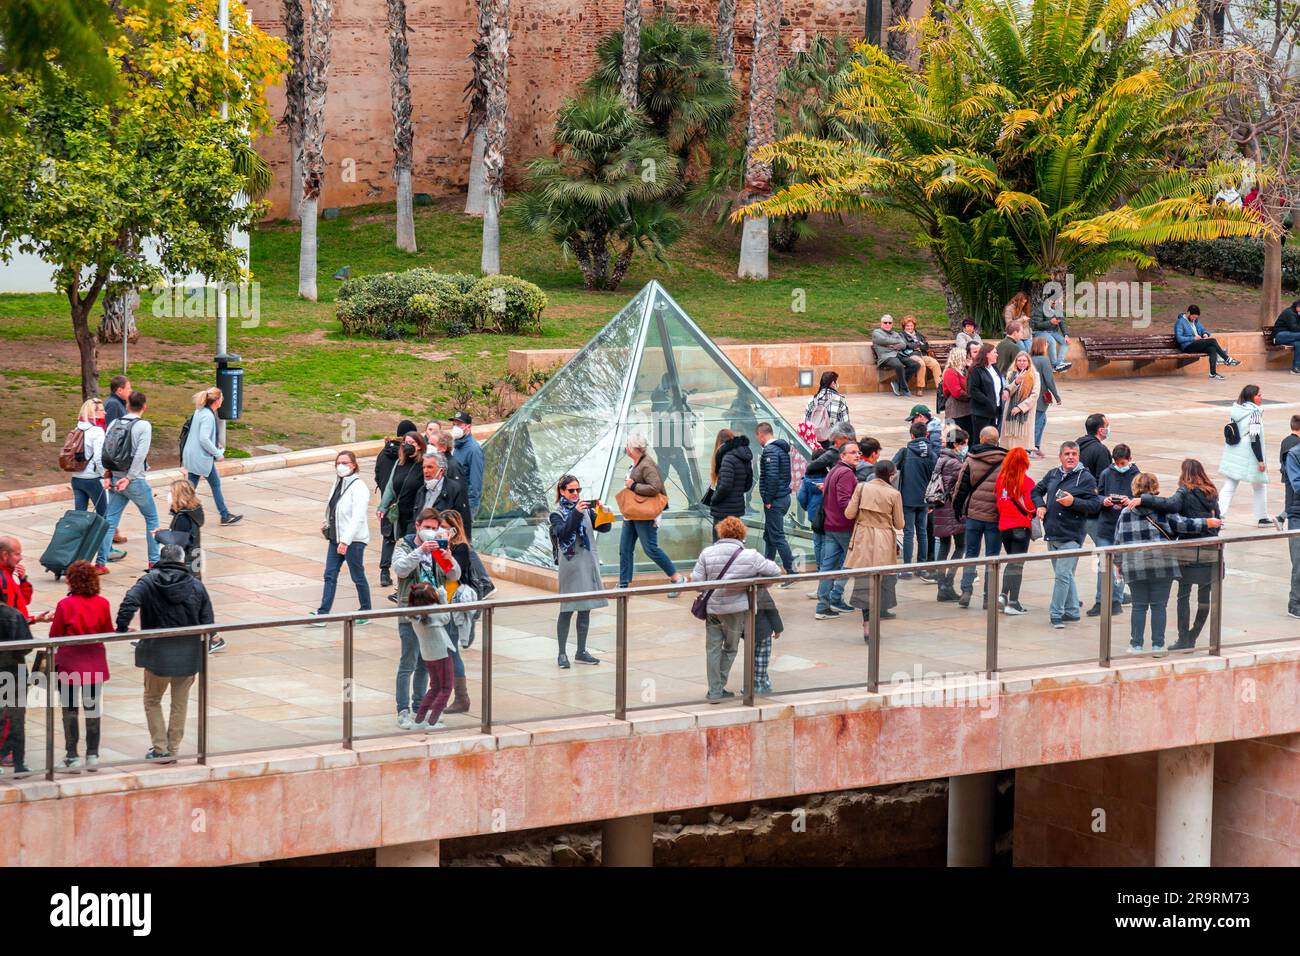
(591, 502)
(1061, 493)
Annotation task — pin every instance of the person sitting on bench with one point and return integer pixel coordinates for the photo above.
(893, 354)
(1286, 331)
(1193, 339)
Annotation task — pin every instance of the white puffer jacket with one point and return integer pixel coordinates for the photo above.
(352, 512)
(748, 564)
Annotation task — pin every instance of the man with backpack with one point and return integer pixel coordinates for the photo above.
(774, 489)
(119, 390)
(915, 464)
(125, 457)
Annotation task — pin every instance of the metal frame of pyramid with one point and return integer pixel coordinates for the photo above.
(579, 420)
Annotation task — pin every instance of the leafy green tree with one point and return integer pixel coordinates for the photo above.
(1032, 141)
(603, 196)
(91, 186)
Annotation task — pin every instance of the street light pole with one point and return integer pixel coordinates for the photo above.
(223, 20)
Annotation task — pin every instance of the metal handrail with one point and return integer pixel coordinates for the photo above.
(874, 575)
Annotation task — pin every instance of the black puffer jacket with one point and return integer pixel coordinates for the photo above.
(385, 461)
(823, 462)
(168, 596)
(1188, 502)
(13, 627)
(1094, 455)
(735, 479)
(774, 471)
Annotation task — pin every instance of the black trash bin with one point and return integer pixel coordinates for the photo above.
(231, 382)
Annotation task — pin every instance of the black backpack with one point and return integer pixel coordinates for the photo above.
(117, 454)
(185, 433)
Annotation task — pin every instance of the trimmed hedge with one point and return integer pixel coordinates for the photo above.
(1230, 259)
(420, 303)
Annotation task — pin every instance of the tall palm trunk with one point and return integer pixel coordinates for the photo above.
(895, 41)
(313, 141)
(762, 131)
(293, 101)
(476, 95)
(400, 88)
(726, 35)
(494, 130)
(630, 76)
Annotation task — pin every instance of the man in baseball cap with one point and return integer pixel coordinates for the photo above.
(933, 432)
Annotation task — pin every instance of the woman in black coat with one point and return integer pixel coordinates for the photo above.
(986, 389)
(734, 478)
(385, 462)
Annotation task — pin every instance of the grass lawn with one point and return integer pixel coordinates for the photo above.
(308, 385)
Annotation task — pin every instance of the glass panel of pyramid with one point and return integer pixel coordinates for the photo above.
(652, 371)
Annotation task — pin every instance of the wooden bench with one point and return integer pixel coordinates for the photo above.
(1138, 349)
(938, 351)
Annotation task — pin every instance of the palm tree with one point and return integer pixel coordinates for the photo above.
(315, 84)
(476, 94)
(725, 42)
(497, 17)
(599, 197)
(293, 101)
(763, 76)
(896, 40)
(1022, 147)
(631, 67)
(400, 88)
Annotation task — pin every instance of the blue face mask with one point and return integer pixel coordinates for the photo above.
(962, 450)
(1124, 469)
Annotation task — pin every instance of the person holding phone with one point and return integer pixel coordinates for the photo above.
(422, 556)
(573, 537)
(1066, 497)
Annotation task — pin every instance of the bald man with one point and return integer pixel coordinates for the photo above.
(15, 589)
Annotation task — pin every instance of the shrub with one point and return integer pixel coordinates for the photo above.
(507, 304)
(385, 305)
(1233, 259)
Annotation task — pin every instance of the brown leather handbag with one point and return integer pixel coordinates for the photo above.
(636, 507)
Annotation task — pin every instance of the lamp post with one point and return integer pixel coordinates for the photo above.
(223, 21)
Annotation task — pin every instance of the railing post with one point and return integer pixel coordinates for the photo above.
(49, 714)
(486, 672)
(873, 632)
(1216, 601)
(993, 576)
(620, 657)
(751, 629)
(1106, 597)
(348, 689)
(204, 646)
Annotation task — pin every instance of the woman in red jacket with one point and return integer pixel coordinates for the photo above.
(1015, 521)
(81, 669)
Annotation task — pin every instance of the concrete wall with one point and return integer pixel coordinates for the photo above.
(1103, 812)
(552, 50)
(400, 790)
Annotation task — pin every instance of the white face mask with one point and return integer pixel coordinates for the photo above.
(431, 483)
(343, 470)
(457, 433)
(428, 534)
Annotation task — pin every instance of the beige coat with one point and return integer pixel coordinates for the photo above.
(877, 512)
(1020, 434)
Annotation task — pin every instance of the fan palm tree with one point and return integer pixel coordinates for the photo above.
(725, 39)
(497, 17)
(602, 197)
(685, 94)
(315, 85)
(399, 82)
(293, 100)
(763, 78)
(1023, 146)
(630, 78)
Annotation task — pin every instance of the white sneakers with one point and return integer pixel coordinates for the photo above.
(405, 720)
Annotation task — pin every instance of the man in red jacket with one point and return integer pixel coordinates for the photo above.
(840, 482)
(15, 589)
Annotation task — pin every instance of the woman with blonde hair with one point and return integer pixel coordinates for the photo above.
(920, 352)
(200, 452)
(1022, 403)
(956, 400)
(87, 483)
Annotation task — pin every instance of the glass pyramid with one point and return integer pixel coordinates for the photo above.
(650, 370)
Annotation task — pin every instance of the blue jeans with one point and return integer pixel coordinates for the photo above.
(1040, 425)
(649, 537)
(818, 541)
(1150, 592)
(89, 493)
(774, 540)
(1056, 347)
(140, 494)
(914, 527)
(980, 531)
(1292, 339)
(214, 482)
(1117, 587)
(357, 570)
(1065, 596)
(412, 675)
(835, 547)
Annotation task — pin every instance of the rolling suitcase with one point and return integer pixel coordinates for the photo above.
(77, 537)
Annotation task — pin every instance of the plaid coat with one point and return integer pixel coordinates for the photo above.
(1144, 526)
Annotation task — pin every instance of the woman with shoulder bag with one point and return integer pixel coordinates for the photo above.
(919, 347)
(1244, 460)
(1016, 520)
(347, 532)
(641, 501)
(574, 534)
(1020, 408)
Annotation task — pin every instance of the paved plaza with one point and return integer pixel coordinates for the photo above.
(282, 687)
